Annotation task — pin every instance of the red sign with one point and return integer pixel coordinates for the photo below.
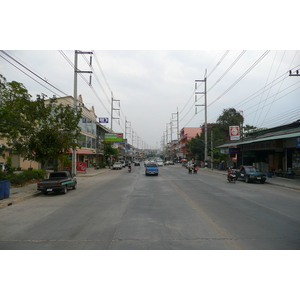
(81, 167)
(234, 132)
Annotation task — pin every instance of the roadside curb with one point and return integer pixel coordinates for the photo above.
(30, 194)
(10, 201)
(267, 182)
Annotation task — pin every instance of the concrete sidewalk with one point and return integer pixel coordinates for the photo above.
(292, 183)
(19, 194)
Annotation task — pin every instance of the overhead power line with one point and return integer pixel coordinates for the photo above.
(33, 73)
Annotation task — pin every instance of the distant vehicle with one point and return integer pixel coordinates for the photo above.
(60, 181)
(171, 162)
(117, 166)
(160, 163)
(2, 167)
(123, 163)
(250, 174)
(151, 169)
(137, 163)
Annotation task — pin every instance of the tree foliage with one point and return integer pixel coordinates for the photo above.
(37, 130)
(109, 150)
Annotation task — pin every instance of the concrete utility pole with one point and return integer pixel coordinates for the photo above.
(205, 109)
(112, 110)
(75, 98)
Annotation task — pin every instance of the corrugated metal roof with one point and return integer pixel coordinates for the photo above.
(275, 137)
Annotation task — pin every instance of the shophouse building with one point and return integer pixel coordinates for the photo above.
(270, 150)
(91, 139)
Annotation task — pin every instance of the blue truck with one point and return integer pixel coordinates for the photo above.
(151, 169)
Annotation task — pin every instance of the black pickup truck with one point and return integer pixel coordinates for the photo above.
(57, 182)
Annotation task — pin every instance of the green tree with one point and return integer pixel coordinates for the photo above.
(195, 147)
(229, 117)
(109, 150)
(37, 130)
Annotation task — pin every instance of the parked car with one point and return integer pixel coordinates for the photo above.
(60, 181)
(250, 174)
(117, 166)
(160, 163)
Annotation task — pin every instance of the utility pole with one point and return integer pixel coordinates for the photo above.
(205, 109)
(76, 71)
(112, 110)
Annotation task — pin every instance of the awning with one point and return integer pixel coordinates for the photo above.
(81, 151)
(275, 137)
(84, 151)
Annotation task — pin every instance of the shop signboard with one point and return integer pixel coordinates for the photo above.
(234, 133)
(298, 142)
(103, 120)
(81, 167)
(113, 137)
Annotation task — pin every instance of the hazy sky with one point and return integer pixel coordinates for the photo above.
(137, 60)
(153, 85)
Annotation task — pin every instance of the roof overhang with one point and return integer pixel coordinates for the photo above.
(275, 137)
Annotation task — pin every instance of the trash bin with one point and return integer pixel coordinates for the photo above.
(1, 189)
(6, 188)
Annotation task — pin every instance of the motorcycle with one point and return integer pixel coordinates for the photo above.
(231, 177)
(195, 169)
(129, 169)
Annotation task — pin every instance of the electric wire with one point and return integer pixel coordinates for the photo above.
(33, 72)
(28, 75)
(265, 86)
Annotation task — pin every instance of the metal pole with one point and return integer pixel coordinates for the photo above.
(212, 152)
(111, 112)
(75, 107)
(205, 131)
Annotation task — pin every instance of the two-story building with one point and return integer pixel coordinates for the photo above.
(91, 139)
(186, 133)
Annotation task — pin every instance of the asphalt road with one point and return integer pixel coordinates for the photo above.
(118, 210)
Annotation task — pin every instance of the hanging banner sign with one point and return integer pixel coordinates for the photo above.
(298, 142)
(113, 137)
(103, 120)
(234, 133)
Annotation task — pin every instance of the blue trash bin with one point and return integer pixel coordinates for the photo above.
(1, 189)
(6, 188)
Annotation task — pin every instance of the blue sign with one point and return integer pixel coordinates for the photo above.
(298, 142)
(103, 120)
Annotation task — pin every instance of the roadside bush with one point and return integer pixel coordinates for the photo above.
(34, 174)
(22, 178)
(2, 175)
(102, 165)
(18, 179)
